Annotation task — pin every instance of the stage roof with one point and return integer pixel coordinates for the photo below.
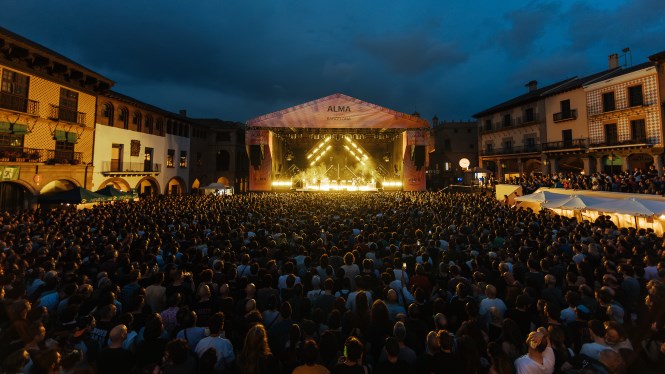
(338, 111)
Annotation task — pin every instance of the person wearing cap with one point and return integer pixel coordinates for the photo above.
(540, 356)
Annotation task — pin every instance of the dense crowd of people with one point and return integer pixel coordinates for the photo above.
(390, 282)
(636, 181)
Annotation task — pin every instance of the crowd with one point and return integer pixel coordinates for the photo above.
(636, 181)
(389, 282)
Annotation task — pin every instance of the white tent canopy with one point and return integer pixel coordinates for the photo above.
(215, 186)
(575, 202)
(542, 197)
(632, 206)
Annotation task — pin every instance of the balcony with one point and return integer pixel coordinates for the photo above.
(34, 155)
(65, 114)
(117, 168)
(19, 103)
(511, 150)
(619, 143)
(566, 144)
(565, 116)
(512, 124)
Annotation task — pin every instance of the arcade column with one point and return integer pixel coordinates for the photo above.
(658, 164)
(586, 161)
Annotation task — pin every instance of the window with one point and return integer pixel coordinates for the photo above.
(69, 101)
(507, 121)
(489, 147)
(199, 159)
(116, 157)
(223, 136)
(528, 115)
(611, 136)
(14, 93)
(223, 160)
(508, 145)
(160, 127)
(635, 96)
(169, 158)
(64, 150)
(567, 137)
(488, 125)
(169, 127)
(183, 159)
(148, 125)
(565, 108)
(108, 113)
(608, 102)
(530, 143)
(148, 122)
(12, 140)
(137, 120)
(123, 117)
(446, 144)
(638, 130)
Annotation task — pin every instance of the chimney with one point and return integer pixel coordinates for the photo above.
(532, 86)
(613, 61)
(183, 112)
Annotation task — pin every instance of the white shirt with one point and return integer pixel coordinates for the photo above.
(525, 365)
(224, 348)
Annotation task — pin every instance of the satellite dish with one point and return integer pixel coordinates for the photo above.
(464, 163)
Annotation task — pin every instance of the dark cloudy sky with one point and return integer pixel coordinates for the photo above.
(236, 60)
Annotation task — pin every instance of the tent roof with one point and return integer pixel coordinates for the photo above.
(632, 206)
(338, 111)
(215, 186)
(115, 194)
(574, 202)
(541, 197)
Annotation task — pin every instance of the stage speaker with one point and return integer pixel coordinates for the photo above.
(419, 157)
(255, 155)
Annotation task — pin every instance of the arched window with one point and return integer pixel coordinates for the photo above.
(107, 113)
(223, 160)
(148, 124)
(137, 120)
(160, 127)
(123, 117)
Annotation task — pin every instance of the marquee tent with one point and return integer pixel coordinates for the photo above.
(115, 194)
(632, 206)
(78, 195)
(575, 202)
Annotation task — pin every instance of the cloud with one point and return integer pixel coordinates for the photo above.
(413, 53)
(525, 26)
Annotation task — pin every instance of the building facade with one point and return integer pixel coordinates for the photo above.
(47, 121)
(140, 147)
(607, 122)
(219, 154)
(453, 141)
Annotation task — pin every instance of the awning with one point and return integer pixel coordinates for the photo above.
(20, 129)
(72, 137)
(60, 136)
(5, 127)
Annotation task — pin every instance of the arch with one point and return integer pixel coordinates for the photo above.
(118, 183)
(225, 181)
(222, 160)
(123, 117)
(57, 185)
(108, 113)
(175, 186)
(15, 195)
(148, 123)
(137, 120)
(570, 164)
(148, 186)
(532, 165)
(640, 161)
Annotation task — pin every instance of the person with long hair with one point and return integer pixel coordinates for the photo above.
(352, 360)
(256, 356)
(500, 363)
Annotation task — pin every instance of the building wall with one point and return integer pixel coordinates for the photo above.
(650, 112)
(579, 127)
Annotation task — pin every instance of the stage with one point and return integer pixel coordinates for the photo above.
(337, 143)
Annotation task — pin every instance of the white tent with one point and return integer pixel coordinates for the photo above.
(575, 202)
(542, 197)
(218, 188)
(632, 206)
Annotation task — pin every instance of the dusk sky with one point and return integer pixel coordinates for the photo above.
(236, 60)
